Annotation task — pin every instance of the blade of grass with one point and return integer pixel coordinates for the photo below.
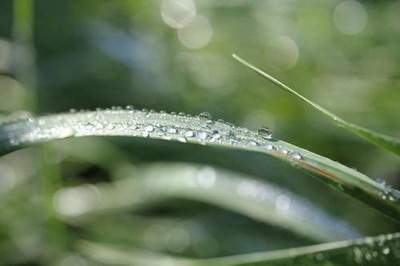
(382, 250)
(110, 255)
(380, 140)
(206, 232)
(197, 130)
(158, 182)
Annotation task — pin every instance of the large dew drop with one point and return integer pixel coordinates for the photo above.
(265, 133)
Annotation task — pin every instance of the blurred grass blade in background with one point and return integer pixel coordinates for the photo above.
(238, 193)
(197, 130)
(382, 250)
(381, 140)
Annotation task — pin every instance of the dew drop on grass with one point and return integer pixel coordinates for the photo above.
(66, 132)
(149, 129)
(202, 135)
(181, 139)
(215, 135)
(265, 133)
(284, 151)
(172, 130)
(270, 147)
(386, 251)
(205, 115)
(296, 156)
(189, 134)
(252, 143)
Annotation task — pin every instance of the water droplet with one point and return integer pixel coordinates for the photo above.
(265, 133)
(386, 251)
(181, 139)
(205, 115)
(189, 134)
(110, 126)
(172, 130)
(284, 151)
(202, 135)
(296, 156)
(252, 143)
(270, 147)
(229, 124)
(358, 255)
(215, 135)
(149, 128)
(66, 132)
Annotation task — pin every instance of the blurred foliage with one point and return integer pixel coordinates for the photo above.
(97, 54)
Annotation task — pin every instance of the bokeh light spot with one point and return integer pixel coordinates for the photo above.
(178, 13)
(196, 34)
(350, 17)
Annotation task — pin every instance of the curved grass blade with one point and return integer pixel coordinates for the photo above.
(383, 250)
(380, 251)
(381, 140)
(110, 255)
(200, 234)
(197, 130)
(258, 200)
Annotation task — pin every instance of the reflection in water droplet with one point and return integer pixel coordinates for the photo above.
(265, 133)
(202, 135)
(181, 139)
(270, 147)
(205, 115)
(149, 128)
(296, 156)
(189, 134)
(172, 130)
(284, 151)
(215, 136)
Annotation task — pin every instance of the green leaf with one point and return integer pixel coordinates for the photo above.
(381, 140)
(375, 251)
(242, 194)
(197, 130)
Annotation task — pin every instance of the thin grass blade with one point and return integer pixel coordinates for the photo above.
(382, 250)
(387, 142)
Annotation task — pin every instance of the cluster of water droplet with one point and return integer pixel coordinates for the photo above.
(149, 123)
(374, 249)
(388, 193)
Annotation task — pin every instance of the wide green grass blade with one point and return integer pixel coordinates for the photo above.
(383, 250)
(381, 140)
(242, 194)
(197, 130)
